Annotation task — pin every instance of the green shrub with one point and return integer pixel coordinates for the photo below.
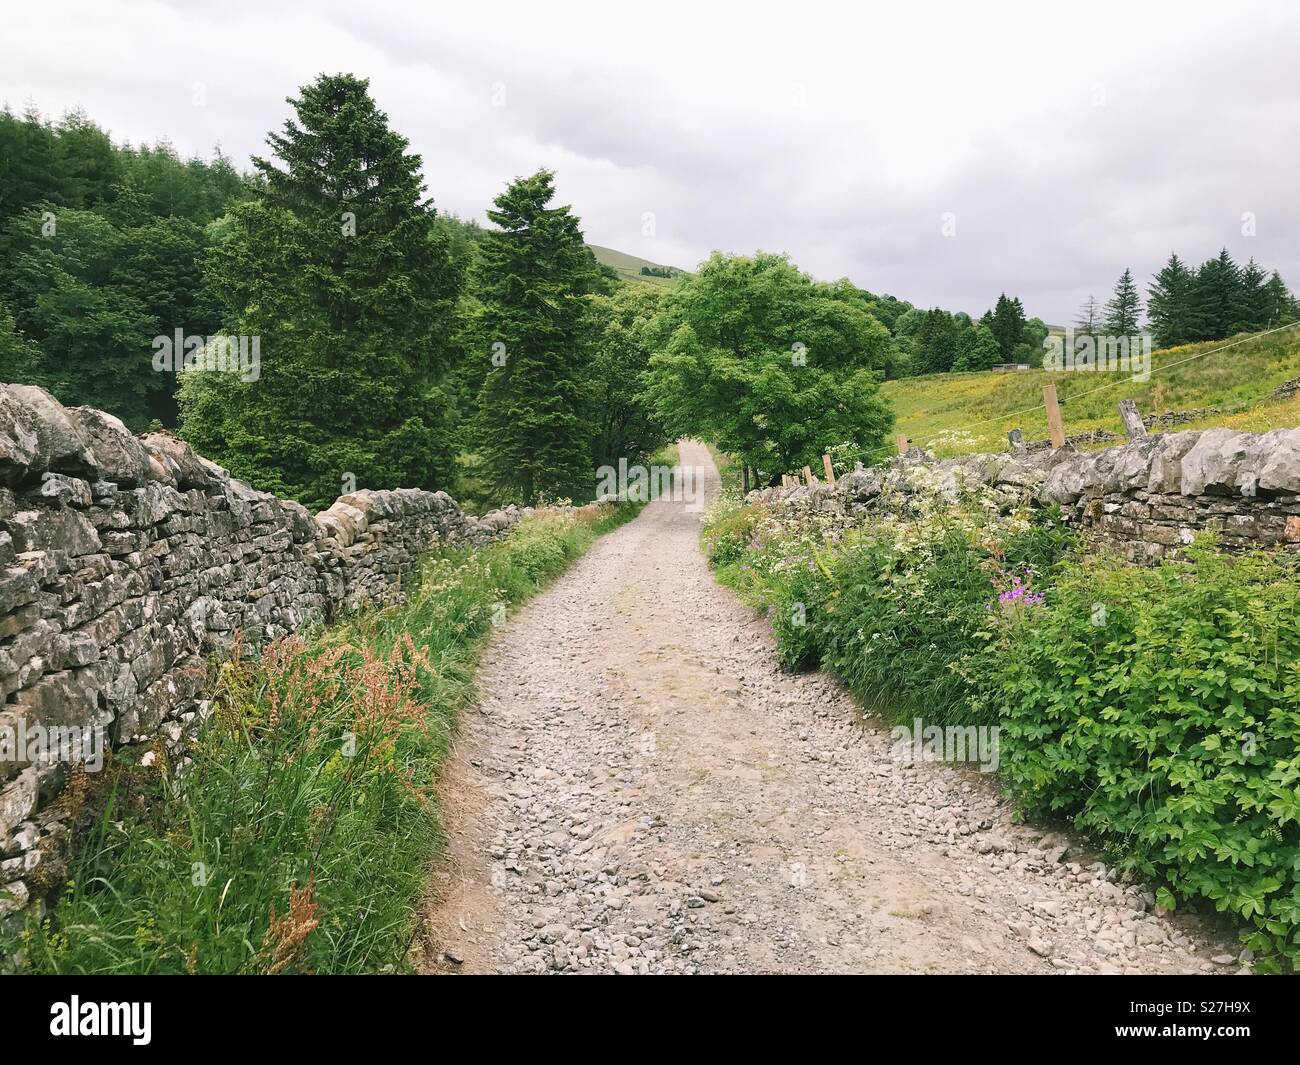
(900, 613)
(729, 531)
(299, 837)
(1158, 708)
(799, 602)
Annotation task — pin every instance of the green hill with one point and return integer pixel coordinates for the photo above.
(629, 266)
(967, 412)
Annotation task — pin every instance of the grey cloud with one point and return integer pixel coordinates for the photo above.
(1050, 207)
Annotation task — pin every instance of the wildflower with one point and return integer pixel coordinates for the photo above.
(1019, 595)
(286, 937)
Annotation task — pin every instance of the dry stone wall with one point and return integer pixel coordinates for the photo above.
(125, 562)
(1147, 499)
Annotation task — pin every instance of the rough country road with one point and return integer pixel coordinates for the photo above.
(642, 790)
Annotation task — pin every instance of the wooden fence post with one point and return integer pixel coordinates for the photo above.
(807, 473)
(830, 470)
(1134, 427)
(1055, 427)
(902, 444)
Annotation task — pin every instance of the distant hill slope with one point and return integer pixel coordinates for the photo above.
(969, 412)
(629, 266)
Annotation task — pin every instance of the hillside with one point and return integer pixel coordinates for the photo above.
(966, 412)
(629, 266)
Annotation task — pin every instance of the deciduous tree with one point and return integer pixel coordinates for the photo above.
(774, 367)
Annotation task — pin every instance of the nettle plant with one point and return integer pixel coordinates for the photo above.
(1168, 725)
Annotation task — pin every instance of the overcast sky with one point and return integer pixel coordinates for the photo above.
(1066, 144)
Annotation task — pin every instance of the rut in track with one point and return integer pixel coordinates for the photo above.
(642, 790)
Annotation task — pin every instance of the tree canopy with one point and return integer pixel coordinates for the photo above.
(773, 366)
(531, 324)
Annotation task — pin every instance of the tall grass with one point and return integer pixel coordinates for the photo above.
(298, 839)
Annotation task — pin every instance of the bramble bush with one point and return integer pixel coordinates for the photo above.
(1159, 708)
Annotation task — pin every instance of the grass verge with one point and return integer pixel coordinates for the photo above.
(298, 838)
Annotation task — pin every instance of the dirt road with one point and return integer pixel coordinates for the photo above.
(643, 791)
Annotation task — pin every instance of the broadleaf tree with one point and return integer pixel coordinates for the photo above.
(770, 365)
(977, 349)
(624, 425)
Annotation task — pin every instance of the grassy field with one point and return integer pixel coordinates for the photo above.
(962, 413)
(629, 266)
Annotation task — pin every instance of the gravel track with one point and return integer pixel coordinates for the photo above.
(642, 790)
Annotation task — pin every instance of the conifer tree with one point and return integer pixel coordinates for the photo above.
(936, 343)
(1124, 309)
(1216, 301)
(1167, 303)
(1254, 297)
(532, 275)
(1280, 308)
(1008, 324)
(338, 270)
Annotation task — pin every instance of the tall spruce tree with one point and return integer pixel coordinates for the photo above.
(1216, 302)
(1167, 303)
(1124, 309)
(1254, 296)
(338, 270)
(533, 425)
(1008, 324)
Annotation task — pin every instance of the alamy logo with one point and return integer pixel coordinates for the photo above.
(47, 744)
(946, 743)
(641, 484)
(134, 1019)
(1101, 354)
(215, 354)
